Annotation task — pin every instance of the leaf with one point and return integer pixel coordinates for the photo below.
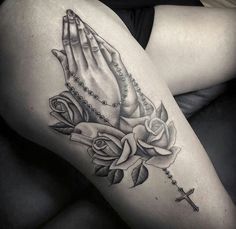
(101, 171)
(162, 113)
(139, 174)
(115, 176)
(62, 128)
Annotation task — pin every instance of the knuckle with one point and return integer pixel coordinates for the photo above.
(95, 49)
(85, 45)
(65, 42)
(74, 40)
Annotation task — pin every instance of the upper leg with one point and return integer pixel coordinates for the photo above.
(193, 47)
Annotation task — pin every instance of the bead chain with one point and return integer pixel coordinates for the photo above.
(91, 93)
(174, 182)
(147, 106)
(124, 89)
(85, 102)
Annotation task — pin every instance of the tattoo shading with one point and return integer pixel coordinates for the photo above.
(104, 109)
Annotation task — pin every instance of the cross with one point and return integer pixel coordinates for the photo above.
(185, 196)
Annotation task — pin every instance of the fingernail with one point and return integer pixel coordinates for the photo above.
(86, 31)
(54, 52)
(70, 13)
(63, 52)
(77, 21)
(65, 19)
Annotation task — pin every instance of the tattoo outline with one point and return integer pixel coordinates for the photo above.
(120, 126)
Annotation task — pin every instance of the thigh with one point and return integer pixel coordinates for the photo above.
(140, 140)
(193, 47)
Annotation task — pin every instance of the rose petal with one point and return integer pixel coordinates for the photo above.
(124, 166)
(82, 111)
(92, 129)
(152, 137)
(60, 118)
(132, 142)
(81, 139)
(172, 134)
(125, 153)
(102, 162)
(157, 149)
(100, 152)
(104, 158)
(163, 142)
(150, 125)
(147, 149)
(100, 139)
(77, 116)
(140, 132)
(112, 138)
(163, 162)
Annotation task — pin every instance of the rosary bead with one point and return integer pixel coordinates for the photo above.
(170, 176)
(96, 97)
(68, 84)
(90, 92)
(104, 102)
(167, 172)
(85, 89)
(81, 84)
(174, 182)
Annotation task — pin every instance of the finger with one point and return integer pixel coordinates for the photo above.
(63, 61)
(67, 47)
(105, 53)
(85, 43)
(75, 43)
(113, 52)
(90, 28)
(95, 48)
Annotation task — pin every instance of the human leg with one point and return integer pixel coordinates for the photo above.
(31, 81)
(193, 47)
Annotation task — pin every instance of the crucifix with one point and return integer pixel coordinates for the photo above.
(185, 196)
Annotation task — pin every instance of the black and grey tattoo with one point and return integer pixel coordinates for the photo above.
(104, 109)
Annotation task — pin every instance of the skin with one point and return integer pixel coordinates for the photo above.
(193, 47)
(30, 75)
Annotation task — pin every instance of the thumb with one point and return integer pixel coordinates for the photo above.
(61, 56)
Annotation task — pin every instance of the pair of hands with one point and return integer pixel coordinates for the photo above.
(95, 71)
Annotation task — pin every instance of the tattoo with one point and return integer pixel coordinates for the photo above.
(104, 109)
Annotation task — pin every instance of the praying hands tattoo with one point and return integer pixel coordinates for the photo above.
(104, 109)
